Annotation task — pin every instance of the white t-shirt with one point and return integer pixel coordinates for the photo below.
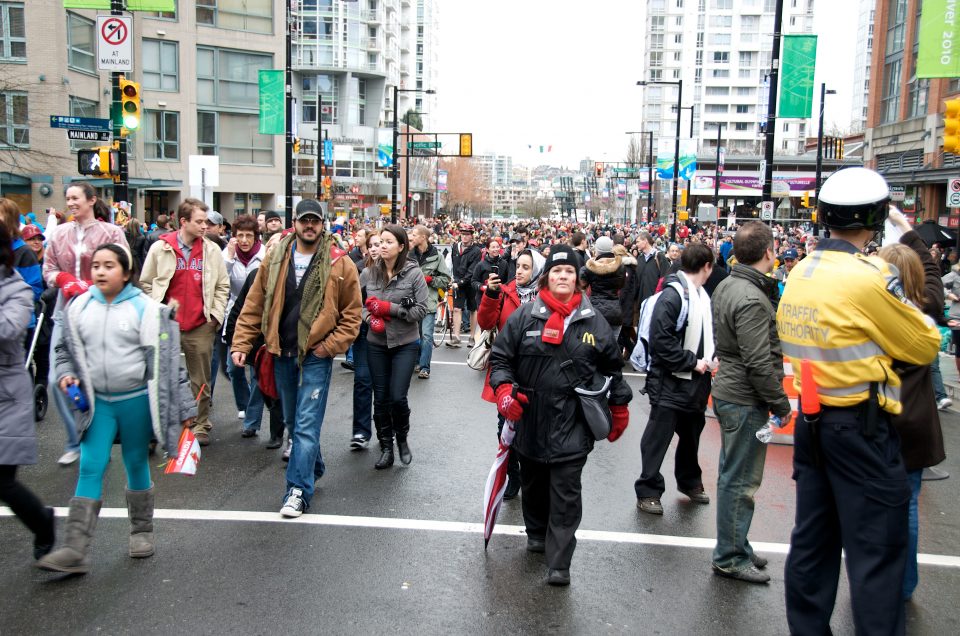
(300, 264)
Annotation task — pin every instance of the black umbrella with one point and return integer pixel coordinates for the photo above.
(932, 232)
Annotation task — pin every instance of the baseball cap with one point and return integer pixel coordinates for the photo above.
(31, 231)
(309, 207)
(214, 218)
(789, 255)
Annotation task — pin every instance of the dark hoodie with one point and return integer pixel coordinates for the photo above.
(604, 277)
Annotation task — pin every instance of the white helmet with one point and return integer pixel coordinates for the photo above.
(854, 199)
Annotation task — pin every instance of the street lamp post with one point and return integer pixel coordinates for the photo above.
(649, 168)
(716, 180)
(676, 151)
(395, 172)
(816, 184)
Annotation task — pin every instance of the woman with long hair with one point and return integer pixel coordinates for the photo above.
(362, 382)
(547, 348)
(18, 437)
(120, 352)
(396, 302)
(496, 305)
(921, 438)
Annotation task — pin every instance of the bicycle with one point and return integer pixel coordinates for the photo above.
(444, 324)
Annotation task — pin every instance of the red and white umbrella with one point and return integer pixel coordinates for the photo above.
(496, 482)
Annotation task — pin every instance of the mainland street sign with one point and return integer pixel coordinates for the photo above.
(88, 135)
(80, 123)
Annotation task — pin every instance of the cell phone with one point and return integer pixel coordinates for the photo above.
(495, 270)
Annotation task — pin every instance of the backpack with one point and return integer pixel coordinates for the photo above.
(640, 358)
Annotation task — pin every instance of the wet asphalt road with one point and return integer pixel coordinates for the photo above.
(344, 569)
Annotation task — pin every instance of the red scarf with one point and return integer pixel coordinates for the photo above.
(246, 257)
(553, 331)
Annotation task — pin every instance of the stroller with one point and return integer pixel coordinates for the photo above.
(38, 355)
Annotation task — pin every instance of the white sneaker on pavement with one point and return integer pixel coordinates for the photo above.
(68, 458)
(294, 505)
(286, 451)
(241, 415)
(944, 404)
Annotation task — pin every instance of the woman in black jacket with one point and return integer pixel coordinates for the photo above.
(603, 277)
(547, 348)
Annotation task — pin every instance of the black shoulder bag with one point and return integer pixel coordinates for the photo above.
(593, 400)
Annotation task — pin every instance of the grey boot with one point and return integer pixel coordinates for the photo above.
(73, 557)
(140, 510)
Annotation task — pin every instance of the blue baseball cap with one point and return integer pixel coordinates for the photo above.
(789, 255)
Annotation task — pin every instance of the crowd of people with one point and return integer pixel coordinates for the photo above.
(715, 312)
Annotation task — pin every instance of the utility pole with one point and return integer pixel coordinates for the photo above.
(770, 133)
(121, 191)
(394, 169)
(650, 212)
(288, 97)
(716, 180)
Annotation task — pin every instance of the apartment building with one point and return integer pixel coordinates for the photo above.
(861, 70)
(721, 50)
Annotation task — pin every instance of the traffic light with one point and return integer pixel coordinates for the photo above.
(466, 144)
(805, 200)
(598, 167)
(102, 161)
(839, 147)
(951, 126)
(130, 105)
(296, 145)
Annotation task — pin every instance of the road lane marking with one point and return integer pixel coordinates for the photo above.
(392, 523)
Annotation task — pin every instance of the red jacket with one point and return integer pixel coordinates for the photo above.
(493, 312)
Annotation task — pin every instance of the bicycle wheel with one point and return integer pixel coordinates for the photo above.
(440, 328)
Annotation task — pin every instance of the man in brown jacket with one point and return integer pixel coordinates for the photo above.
(306, 302)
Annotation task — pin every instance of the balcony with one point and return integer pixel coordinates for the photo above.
(371, 17)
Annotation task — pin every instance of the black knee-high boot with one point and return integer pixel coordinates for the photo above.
(384, 424)
(401, 425)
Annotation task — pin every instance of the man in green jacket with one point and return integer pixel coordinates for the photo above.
(435, 272)
(748, 387)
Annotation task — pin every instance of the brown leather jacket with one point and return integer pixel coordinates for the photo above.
(336, 326)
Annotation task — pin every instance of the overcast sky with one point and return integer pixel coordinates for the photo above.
(563, 73)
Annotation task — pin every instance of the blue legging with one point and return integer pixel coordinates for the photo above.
(132, 418)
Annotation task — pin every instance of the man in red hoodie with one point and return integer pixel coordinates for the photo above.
(186, 267)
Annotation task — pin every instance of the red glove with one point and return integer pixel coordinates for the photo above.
(509, 406)
(429, 279)
(621, 417)
(377, 324)
(70, 285)
(377, 307)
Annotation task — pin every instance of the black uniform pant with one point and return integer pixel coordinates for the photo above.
(663, 423)
(24, 504)
(553, 506)
(852, 493)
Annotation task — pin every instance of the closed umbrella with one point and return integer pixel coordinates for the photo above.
(496, 482)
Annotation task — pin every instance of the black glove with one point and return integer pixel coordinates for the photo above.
(407, 302)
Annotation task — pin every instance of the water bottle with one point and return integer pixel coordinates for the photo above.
(765, 434)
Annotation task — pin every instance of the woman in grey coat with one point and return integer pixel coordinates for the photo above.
(18, 440)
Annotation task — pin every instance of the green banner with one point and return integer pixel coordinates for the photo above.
(272, 114)
(939, 38)
(131, 5)
(797, 64)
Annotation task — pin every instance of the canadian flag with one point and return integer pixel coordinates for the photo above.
(188, 455)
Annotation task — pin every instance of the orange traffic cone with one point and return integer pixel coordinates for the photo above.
(809, 397)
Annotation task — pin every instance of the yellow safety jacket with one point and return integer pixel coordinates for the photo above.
(846, 313)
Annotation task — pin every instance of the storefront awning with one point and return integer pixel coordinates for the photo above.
(135, 183)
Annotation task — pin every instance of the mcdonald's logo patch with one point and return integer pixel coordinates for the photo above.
(589, 339)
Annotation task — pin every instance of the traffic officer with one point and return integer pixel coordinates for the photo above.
(846, 315)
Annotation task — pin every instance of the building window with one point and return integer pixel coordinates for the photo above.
(719, 39)
(721, 21)
(656, 23)
(326, 87)
(897, 26)
(743, 109)
(656, 59)
(160, 64)
(719, 73)
(718, 90)
(255, 16)
(161, 135)
(80, 107)
(230, 79)
(234, 137)
(165, 15)
(741, 126)
(80, 43)
(14, 127)
(721, 57)
(13, 33)
(716, 108)
(890, 100)
(723, 4)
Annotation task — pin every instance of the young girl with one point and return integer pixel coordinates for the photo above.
(121, 350)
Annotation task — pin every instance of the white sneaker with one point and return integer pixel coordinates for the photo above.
(944, 404)
(286, 451)
(241, 415)
(294, 505)
(68, 458)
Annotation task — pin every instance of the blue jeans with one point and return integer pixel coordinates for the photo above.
(742, 457)
(303, 395)
(217, 361)
(910, 575)
(938, 389)
(67, 413)
(426, 339)
(362, 386)
(253, 412)
(240, 379)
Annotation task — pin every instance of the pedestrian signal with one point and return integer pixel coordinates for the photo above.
(598, 167)
(99, 162)
(296, 145)
(951, 126)
(129, 105)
